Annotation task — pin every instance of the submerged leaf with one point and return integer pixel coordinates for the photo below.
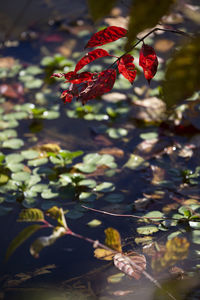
(20, 238)
(45, 241)
(132, 266)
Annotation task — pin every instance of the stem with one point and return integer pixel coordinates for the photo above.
(149, 33)
(95, 243)
(130, 216)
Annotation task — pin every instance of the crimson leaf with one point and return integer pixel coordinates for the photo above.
(89, 57)
(107, 35)
(127, 68)
(99, 86)
(148, 61)
(73, 77)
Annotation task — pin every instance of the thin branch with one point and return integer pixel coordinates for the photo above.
(130, 216)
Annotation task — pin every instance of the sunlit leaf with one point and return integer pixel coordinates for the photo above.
(115, 278)
(183, 70)
(31, 215)
(136, 162)
(94, 223)
(103, 254)
(20, 238)
(146, 230)
(57, 214)
(113, 239)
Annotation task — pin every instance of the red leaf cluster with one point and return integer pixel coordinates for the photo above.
(148, 61)
(127, 68)
(86, 85)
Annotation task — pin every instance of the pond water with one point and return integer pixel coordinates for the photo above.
(133, 160)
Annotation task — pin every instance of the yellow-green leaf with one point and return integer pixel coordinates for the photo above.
(31, 215)
(20, 238)
(145, 15)
(182, 77)
(113, 239)
(57, 214)
(99, 9)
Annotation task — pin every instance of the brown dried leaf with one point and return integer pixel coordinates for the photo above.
(117, 152)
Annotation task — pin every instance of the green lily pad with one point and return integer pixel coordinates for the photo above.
(86, 168)
(13, 144)
(30, 154)
(74, 214)
(87, 182)
(114, 198)
(14, 158)
(94, 223)
(15, 167)
(146, 230)
(8, 133)
(136, 162)
(117, 133)
(50, 115)
(149, 135)
(37, 162)
(48, 194)
(21, 176)
(105, 187)
(87, 197)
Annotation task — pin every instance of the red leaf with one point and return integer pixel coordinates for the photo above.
(66, 96)
(126, 67)
(99, 86)
(148, 61)
(73, 77)
(107, 35)
(58, 75)
(89, 57)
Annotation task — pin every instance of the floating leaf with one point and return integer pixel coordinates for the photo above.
(132, 266)
(105, 187)
(136, 162)
(13, 143)
(31, 215)
(107, 35)
(30, 154)
(20, 238)
(37, 162)
(103, 254)
(146, 230)
(21, 176)
(113, 239)
(117, 133)
(116, 278)
(94, 223)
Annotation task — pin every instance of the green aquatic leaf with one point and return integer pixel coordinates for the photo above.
(114, 198)
(37, 162)
(149, 135)
(13, 144)
(117, 133)
(105, 187)
(146, 230)
(87, 197)
(94, 223)
(30, 154)
(20, 238)
(90, 183)
(21, 176)
(14, 158)
(136, 162)
(48, 194)
(8, 133)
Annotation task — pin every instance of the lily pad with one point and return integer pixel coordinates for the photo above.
(136, 162)
(146, 230)
(13, 144)
(105, 187)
